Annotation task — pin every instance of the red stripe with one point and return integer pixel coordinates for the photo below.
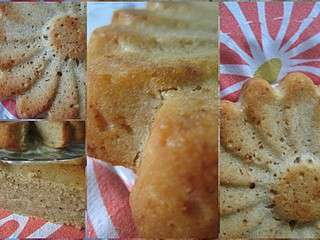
(230, 26)
(7, 229)
(233, 97)
(90, 232)
(32, 225)
(274, 13)
(67, 232)
(115, 196)
(4, 213)
(250, 11)
(227, 80)
(299, 12)
(10, 105)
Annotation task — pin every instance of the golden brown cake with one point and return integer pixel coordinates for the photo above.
(147, 72)
(42, 58)
(55, 192)
(176, 190)
(269, 161)
(54, 134)
(78, 131)
(13, 135)
(128, 73)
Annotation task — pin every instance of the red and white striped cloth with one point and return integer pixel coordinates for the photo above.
(21, 227)
(252, 33)
(109, 213)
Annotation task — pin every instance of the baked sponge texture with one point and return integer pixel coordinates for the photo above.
(152, 102)
(55, 192)
(176, 190)
(42, 59)
(270, 160)
(131, 66)
(14, 135)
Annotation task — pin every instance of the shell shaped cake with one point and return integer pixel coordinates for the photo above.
(42, 59)
(270, 160)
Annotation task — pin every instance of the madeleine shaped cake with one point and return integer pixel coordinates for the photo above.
(42, 58)
(270, 160)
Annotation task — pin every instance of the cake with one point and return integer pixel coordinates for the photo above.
(175, 194)
(78, 131)
(269, 161)
(55, 192)
(142, 70)
(125, 85)
(14, 135)
(54, 134)
(42, 59)
(20, 136)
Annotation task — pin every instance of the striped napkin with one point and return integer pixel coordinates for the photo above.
(21, 227)
(268, 40)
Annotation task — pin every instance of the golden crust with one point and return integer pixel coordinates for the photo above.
(112, 112)
(133, 17)
(13, 135)
(269, 160)
(144, 71)
(40, 44)
(175, 193)
(54, 134)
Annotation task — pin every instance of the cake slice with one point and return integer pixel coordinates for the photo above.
(55, 192)
(78, 131)
(13, 135)
(54, 134)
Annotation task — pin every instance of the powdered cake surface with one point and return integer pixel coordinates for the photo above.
(270, 161)
(42, 58)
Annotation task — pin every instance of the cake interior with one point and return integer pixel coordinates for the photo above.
(55, 192)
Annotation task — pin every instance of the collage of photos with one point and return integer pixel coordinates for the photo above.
(159, 120)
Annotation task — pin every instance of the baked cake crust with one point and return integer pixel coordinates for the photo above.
(42, 58)
(270, 165)
(151, 76)
(128, 72)
(13, 136)
(175, 192)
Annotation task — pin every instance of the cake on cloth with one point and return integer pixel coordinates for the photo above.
(53, 191)
(152, 91)
(42, 58)
(269, 161)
